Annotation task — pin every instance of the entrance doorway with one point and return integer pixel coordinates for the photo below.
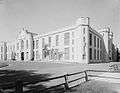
(22, 55)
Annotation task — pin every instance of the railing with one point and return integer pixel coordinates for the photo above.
(18, 85)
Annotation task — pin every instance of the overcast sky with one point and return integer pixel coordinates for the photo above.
(41, 16)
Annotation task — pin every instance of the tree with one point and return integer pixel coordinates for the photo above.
(52, 53)
(45, 51)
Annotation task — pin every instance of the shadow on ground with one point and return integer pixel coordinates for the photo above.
(29, 78)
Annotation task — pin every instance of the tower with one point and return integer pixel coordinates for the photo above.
(83, 34)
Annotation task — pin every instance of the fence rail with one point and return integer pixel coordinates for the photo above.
(18, 85)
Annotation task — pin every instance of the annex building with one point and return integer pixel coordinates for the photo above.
(77, 43)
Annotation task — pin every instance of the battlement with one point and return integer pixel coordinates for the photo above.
(106, 30)
(83, 21)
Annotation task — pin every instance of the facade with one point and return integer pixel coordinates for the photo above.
(11, 52)
(77, 43)
(3, 51)
(107, 43)
(24, 45)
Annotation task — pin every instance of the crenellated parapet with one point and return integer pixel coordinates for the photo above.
(83, 21)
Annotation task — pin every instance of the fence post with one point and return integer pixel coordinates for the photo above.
(19, 86)
(66, 82)
(86, 76)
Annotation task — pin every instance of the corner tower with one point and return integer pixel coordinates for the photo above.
(82, 35)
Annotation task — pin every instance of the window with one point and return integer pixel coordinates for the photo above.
(33, 56)
(56, 54)
(13, 47)
(37, 44)
(17, 55)
(37, 54)
(33, 44)
(94, 41)
(83, 39)
(72, 41)
(1, 49)
(98, 55)
(83, 30)
(1, 57)
(27, 44)
(43, 42)
(95, 54)
(84, 53)
(17, 46)
(72, 49)
(57, 40)
(97, 42)
(72, 57)
(90, 53)
(66, 38)
(90, 38)
(100, 44)
(22, 44)
(66, 53)
(83, 56)
(73, 34)
(49, 41)
(27, 55)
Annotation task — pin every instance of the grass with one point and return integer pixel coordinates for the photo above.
(96, 87)
(11, 76)
(3, 64)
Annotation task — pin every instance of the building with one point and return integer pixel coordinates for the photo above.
(77, 43)
(11, 52)
(3, 51)
(25, 45)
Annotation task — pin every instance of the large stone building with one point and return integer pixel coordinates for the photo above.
(77, 43)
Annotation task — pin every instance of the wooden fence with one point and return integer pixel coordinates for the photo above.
(18, 86)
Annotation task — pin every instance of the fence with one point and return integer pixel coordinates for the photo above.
(18, 86)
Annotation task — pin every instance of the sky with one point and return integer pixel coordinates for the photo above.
(42, 16)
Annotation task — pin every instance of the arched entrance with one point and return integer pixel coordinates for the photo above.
(22, 55)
